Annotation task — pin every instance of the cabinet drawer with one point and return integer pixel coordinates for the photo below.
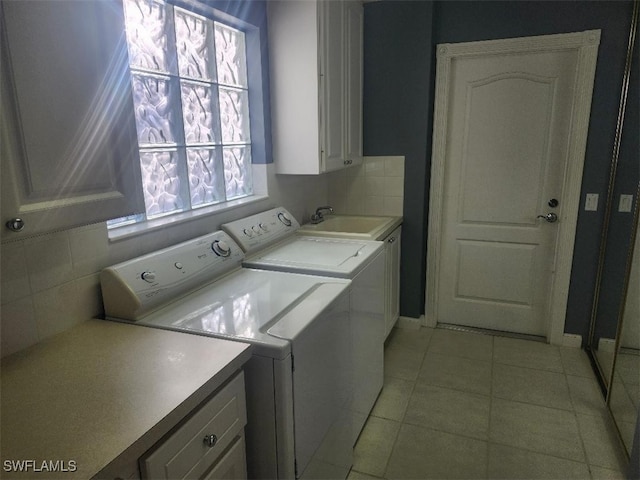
(232, 465)
(186, 454)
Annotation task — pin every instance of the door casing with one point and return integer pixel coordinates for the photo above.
(586, 43)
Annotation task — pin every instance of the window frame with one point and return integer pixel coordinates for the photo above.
(259, 111)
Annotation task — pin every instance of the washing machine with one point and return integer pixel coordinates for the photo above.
(270, 242)
(299, 378)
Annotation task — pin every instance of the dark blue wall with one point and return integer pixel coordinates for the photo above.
(400, 39)
(399, 74)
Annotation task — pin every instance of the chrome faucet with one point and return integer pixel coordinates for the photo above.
(319, 216)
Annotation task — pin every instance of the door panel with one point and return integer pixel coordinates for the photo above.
(507, 148)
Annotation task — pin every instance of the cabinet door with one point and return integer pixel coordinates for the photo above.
(69, 152)
(332, 31)
(354, 32)
(392, 277)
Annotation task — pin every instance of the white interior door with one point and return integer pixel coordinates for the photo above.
(510, 123)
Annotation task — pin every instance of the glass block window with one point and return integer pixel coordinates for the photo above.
(191, 100)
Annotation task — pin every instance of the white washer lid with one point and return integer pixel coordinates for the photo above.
(244, 305)
(317, 256)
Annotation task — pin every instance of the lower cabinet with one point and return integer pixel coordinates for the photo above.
(209, 444)
(392, 279)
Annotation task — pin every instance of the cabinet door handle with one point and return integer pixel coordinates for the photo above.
(15, 224)
(210, 440)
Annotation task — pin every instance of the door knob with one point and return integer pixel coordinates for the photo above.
(549, 217)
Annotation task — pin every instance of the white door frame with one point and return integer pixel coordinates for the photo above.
(586, 43)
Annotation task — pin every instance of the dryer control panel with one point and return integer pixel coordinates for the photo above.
(262, 229)
(132, 289)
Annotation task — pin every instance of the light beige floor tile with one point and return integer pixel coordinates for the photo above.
(402, 363)
(461, 344)
(410, 339)
(354, 475)
(586, 395)
(576, 362)
(527, 354)
(536, 428)
(599, 473)
(393, 399)
(456, 372)
(448, 410)
(421, 453)
(628, 367)
(514, 463)
(374, 446)
(601, 442)
(621, 404)
(538, 387)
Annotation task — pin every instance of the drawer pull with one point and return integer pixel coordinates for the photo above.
(210, 440)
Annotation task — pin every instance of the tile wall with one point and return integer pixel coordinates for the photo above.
(376, 187)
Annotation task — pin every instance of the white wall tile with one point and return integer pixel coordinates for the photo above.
(89, 304)
(48, 260)
(393, 206)
(56, 309)
(374, 166)
(374, 206)
(375, 186)
(15, 278)
(18, 326)
(394, 167)
(383, 187)
(89, 249)
(394, 186)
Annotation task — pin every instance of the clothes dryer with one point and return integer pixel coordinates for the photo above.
(270, 242)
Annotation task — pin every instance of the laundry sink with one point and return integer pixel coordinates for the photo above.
(352, 226)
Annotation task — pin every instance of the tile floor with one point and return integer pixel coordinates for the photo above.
(465, 405)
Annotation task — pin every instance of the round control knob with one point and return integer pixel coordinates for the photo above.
(248, 232)
(263, 227)
(257, 230)
(284, 219)
(148, 276)
(221, 248)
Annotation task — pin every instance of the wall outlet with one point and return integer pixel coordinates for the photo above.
(591, 202)
(626, 202)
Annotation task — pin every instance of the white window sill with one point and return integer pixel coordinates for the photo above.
(129, 231)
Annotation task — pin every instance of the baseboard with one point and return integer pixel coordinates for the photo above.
(410, 323)
(607, 344)
(572, 340)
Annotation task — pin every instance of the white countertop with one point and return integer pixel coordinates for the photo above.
(103, 393)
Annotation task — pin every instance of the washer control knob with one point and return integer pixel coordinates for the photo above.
(248, 232)
(284, 219)
(178, 265)
(256, 230)
(263, 227)
(148, 276)
(221, 248)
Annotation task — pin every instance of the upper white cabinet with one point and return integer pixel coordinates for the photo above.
(68, 146)
(315, 53)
